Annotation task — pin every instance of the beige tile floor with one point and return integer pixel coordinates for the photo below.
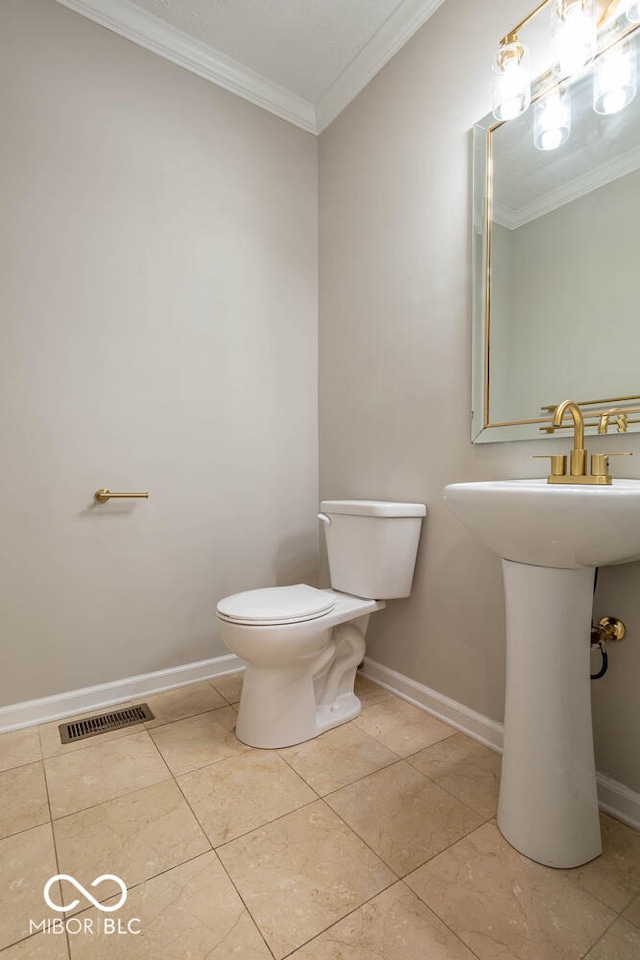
(376, 841)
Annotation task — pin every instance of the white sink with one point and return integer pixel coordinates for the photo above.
(550, 538)
(552, 525)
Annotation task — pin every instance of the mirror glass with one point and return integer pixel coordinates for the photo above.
(555, 260)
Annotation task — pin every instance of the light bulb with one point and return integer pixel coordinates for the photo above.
(632, 11)
(573, 34)
(512, 81)
(551, 120)
(614, 80)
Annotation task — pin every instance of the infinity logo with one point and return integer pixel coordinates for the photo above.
(85, 893)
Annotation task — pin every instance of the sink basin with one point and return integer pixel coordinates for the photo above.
(550, 538)
(552, 525)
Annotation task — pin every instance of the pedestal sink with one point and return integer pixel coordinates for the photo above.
(550, 538)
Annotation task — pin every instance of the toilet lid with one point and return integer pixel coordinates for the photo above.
(275, 605)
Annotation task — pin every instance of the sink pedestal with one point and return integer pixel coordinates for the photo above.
(548, 808)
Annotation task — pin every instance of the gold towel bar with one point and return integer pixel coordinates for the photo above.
(103, 495)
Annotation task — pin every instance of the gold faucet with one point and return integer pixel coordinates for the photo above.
(578, 458)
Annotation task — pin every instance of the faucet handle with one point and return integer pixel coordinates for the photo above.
(558, 463)
(600, 463)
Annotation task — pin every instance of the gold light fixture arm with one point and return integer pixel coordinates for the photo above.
(513, 34)
(606, 9)
(103, 495)
(590, 403)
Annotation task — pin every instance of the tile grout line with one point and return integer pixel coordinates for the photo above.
(602, 935)
(19, 766)
(122, 733)
(211, 679)
(318, 798)
(174, 777)
(442, 921)
(398, 880)
(95, 741)
(552, 869)
(324, 929)
(53, 837)
(322, 796)
(121, 796)
(128, 793)
(248, 833)
(378, 855)
(188, 716)
(49, 822)
(226, 872)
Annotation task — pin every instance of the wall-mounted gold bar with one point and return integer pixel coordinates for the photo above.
(590, 403)
(594, 416)
(103, 495)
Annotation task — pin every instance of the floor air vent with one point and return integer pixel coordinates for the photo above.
(92, 726)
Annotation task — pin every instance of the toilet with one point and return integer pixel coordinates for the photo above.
(302, 645)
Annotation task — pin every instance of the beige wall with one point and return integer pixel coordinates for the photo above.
(159, 331)
(395, 341)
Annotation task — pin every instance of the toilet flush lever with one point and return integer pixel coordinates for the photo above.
(324, 518)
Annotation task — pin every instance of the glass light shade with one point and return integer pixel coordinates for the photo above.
(551, 120)
(632, 11)
(512, 81)
(573, 35)
(614, 79)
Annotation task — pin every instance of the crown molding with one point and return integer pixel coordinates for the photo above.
(149, 31)
(600, 176)
(385, 43)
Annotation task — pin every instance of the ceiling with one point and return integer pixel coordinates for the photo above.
(303, 60)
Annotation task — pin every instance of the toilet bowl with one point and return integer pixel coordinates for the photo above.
(302, 645)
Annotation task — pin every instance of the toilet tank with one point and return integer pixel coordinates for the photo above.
(372, 546)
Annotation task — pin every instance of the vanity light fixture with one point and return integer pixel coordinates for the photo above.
(551, 120)
(574, 44)
(632, 11)
(573, 35)
(614, 79)
(512, 80)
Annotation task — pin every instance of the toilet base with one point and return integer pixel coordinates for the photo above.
(276, 734)
(346, 707)
(263, 723)
(282, 706)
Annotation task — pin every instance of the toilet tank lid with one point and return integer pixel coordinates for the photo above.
(373, 508)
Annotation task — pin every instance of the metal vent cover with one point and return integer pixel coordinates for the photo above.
(104, 722)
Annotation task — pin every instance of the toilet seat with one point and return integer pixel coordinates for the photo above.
(273, 606)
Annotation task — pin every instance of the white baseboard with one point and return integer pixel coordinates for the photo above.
(455, 714)
(613, 797)
(620, 801)
(32, 712)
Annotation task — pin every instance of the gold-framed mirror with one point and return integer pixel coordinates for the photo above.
(556, 312)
